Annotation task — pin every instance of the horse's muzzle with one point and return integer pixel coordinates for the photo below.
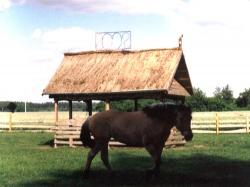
(188, 135)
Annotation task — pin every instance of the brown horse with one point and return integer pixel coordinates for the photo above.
(147, 128)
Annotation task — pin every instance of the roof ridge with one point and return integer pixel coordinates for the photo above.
(119, 51)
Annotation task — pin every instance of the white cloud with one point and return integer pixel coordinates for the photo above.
(212, 11)
(26, 70)
(4, 4)
(13, 71)
(65, 39)
(117, 6)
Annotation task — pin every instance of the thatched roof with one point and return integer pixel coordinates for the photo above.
(121, 73)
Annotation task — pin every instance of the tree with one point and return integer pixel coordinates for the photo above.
(11, 107)
(226, 94)
(216, 104)
(128, 105)
(198, 101)
(244, 99)
(225, 97)
(123, 105)
(99, 106)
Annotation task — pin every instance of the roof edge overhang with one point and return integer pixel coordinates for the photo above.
(186, 82)
(150, 94)
(169, 83)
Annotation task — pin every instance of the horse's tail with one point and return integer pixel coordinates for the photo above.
(85, 135)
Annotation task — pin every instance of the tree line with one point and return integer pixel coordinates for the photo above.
(222, 100)
(124, 105)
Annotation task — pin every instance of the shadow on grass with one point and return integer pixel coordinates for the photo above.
(194, 170)
(48, 142)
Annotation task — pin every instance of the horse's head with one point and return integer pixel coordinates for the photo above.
(183, 121)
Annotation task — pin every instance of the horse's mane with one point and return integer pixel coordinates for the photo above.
(160, 111)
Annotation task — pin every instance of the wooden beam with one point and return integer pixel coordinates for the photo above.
(157, 94)
(56, 109)
(70, 109)
(183, 79)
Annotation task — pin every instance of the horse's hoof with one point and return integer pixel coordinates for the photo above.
(151, 175)
(86, 174)
(111, 174)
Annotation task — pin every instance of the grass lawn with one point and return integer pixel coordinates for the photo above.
(26, 159)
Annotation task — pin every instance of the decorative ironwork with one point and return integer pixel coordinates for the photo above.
(119, 40)
(180, 41)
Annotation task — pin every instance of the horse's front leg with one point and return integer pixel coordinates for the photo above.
(155, 151)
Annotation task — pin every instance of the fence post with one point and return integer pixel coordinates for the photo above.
(55, 142)
(247, 119)
(217, 123)
(70, 142)
(10, 122)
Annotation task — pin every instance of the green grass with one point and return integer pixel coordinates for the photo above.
(26, 159)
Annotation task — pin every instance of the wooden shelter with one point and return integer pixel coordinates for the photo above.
(116, 75)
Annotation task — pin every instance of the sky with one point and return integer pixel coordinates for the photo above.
(34, 35)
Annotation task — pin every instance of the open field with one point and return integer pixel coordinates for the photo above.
(27, 160)
(37, 117)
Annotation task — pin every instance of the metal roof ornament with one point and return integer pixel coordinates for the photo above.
(180, 41)
(118, 40)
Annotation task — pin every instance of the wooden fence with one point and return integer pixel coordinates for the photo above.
(221, 122)
(33, 121)
(67, 131)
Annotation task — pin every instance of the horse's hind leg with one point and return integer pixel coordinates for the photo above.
(104, 156)
(92, 153)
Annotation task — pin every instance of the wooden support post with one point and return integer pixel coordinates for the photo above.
(70, 109)
(89, 107)
(217, 123)
(247, 127)
(56, 110)
(107, 105)
(136, 105)
(10, 122)
(183, 100)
